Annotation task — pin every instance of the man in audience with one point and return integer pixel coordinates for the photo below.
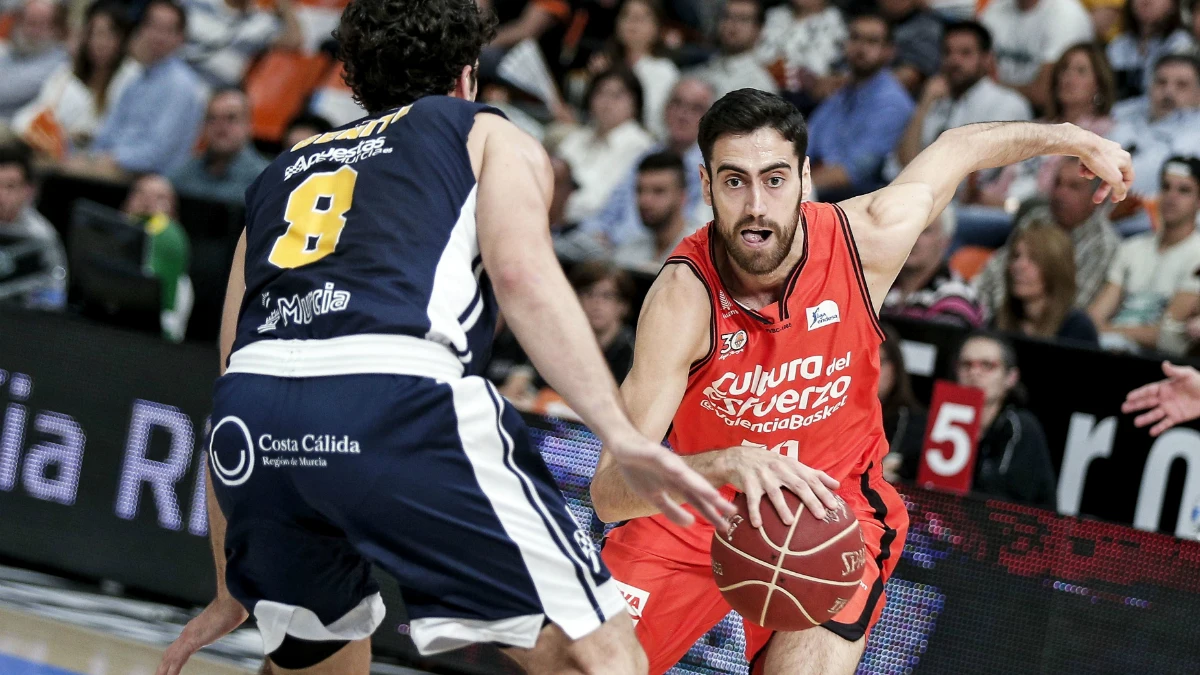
(661, 199)
(853, 131)
(1030, 36)
(927, 289)
(964, 92)
(33, 264)
(1164, 122)
(918, 34)
(1071, 208)
(154, 124)
(735, 66)
(34, 51)
(618, 221)
(224, 36)
(229, 163)
(151, 204)
(303, 126)
(1152, 286)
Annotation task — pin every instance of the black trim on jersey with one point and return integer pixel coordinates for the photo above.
(712, 257)
(858, 271)
(854, 631)
(788, 285)
(712, 301)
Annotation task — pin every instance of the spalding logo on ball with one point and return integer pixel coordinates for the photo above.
(789, 577)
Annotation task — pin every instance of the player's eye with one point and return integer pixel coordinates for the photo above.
(733, 182)
(775, 181)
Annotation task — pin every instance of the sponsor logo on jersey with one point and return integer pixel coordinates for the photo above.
(302, 309)
(761, 401)
(635, 600)
(356, 153)
(825, 313)
(734, 343)
(727, 309)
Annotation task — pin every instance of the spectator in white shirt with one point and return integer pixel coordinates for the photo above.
(1030, 36)
(1152, 286)
(1153, 29)
(735, 66)
(78, 95)
(637, 44)
(224, 36)
(34, 51)
(601, 153)
(803, 39)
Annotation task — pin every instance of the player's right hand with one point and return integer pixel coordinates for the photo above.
(1169, 402)
(1108, 161)
(218, 619)
(654, 473)
(757, 471)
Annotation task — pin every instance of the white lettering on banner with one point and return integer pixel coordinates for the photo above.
(1177, 443)
(733, 397)
(302, 309)
(946, 429)
(1086, 441)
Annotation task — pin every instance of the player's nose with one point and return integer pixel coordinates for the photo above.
(757, 204)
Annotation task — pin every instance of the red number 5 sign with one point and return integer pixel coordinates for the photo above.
(948, 455)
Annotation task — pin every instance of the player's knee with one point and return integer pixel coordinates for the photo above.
(296, 654)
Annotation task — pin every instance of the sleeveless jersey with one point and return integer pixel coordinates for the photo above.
(369, 230)
(799, 377)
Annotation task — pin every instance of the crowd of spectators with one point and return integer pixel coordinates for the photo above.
(176, 95)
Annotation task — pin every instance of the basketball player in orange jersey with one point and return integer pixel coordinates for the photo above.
(760, 337)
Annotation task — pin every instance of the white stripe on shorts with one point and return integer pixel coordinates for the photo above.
(555, 576)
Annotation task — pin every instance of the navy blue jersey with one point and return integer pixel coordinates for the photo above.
(370, 230)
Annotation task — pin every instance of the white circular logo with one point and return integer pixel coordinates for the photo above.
(245, 465)
(738, 341)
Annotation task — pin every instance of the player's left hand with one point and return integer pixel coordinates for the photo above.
(654, 473)
(220, 617)
(1107, 160)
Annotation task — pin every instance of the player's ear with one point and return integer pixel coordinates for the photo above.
(705, 185)
(467, 85)
(806, 180)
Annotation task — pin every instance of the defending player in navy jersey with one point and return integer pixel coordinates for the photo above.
(350, 427)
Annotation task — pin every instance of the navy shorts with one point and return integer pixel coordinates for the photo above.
(435, 482)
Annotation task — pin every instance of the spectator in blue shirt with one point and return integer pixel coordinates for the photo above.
(229, 163)
(154, 124)
(853, 131)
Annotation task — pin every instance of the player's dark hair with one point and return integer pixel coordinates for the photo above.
(747, 110)
(631, 83)
(664, 161)
(1189, 60)
(397, 51)
(983, 37)
(19, 154)
(585, 275)
(180, 13)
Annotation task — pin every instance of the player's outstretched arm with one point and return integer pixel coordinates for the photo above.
(515, 186)
(1168, 402)
(886, 222)
(224, 613)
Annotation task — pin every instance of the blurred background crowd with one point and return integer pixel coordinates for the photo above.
(129, 130)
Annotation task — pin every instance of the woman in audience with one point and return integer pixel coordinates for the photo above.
(1013, 460)
(1039, 292)
(74, 101)
(1153, 28)
(637, 44)
(903, 417)
(1083, 92)
(603, 152)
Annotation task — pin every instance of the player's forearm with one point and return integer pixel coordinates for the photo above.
(542, 311)
(614, 502)
(962, 151)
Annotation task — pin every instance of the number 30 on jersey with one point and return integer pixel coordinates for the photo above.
(315, 214)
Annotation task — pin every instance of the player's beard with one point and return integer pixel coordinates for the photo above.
(757, 260)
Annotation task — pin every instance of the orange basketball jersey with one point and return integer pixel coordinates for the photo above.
(799, 376)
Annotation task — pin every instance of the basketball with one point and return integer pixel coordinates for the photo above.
(789, 577)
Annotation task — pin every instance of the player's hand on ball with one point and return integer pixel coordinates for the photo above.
(654, 473)
(757, 472)
(1169, 402)
(218, 619)
(1108, 161)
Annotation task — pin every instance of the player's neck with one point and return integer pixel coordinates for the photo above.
(758, 290)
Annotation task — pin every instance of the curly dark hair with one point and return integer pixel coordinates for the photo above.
(396, 51)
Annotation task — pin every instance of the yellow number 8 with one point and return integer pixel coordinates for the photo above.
(315, 213)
